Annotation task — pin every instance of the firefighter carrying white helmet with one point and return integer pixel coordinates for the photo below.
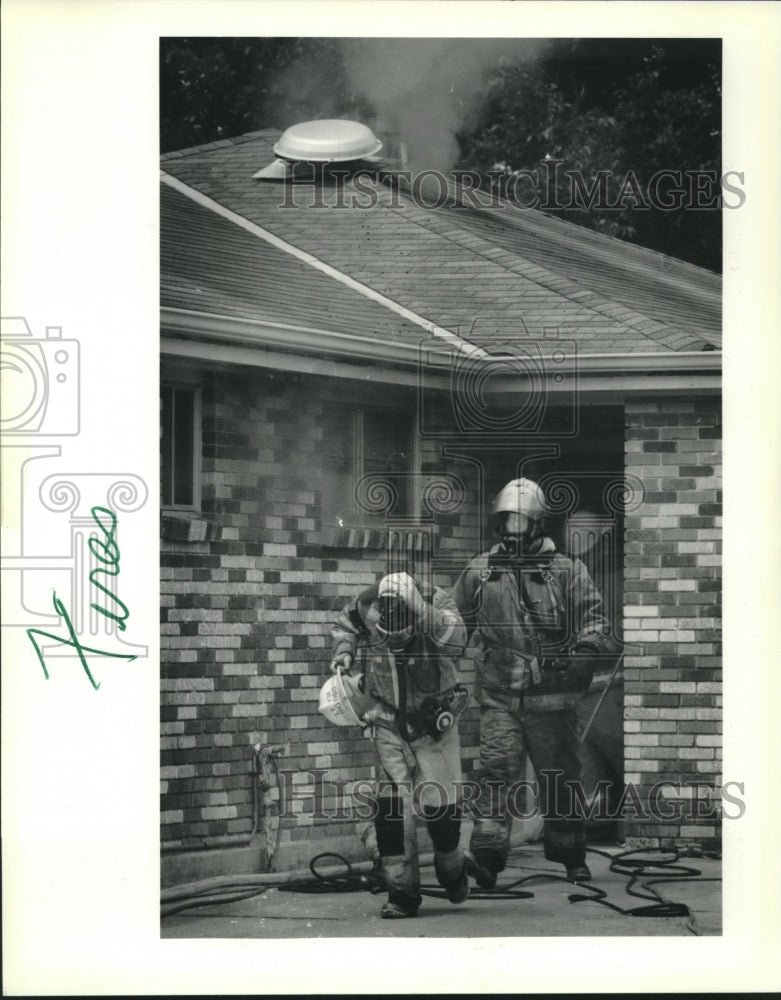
(344, 701)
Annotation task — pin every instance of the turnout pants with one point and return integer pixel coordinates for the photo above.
(551, 740)
(421, 779)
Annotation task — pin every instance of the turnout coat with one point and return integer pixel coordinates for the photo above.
(528, 616)
(402, 681)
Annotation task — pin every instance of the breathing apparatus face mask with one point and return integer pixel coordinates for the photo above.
(519, 533)
(396, 624)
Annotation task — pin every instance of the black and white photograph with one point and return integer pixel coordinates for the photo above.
(381, 459)
(441, 486)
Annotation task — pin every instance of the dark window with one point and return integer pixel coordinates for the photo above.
(387, 457)
(368, 467)
(180, 433)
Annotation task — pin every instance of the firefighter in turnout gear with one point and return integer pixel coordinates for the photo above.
(410, 636)
(539, 627)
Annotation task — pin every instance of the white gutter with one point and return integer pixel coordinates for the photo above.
(580, 386)
(282, 336)
(197, 353)
(233, 330)
(307, 258)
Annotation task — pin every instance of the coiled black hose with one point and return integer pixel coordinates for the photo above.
(651, 866)
(349, 881)
(635, 865)
(638, 865)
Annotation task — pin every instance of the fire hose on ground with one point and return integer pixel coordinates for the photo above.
(644, 868)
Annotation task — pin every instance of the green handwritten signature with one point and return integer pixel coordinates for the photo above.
(105, 549)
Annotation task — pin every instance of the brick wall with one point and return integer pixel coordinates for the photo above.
(246, 613)
(672, 617)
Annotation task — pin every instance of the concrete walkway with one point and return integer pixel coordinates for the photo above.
(275, 913)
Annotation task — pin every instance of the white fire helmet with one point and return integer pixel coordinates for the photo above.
(343, 700)
(521, 496)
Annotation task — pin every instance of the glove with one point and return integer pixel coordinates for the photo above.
(343, 662)
(580, 671)
(402, 585)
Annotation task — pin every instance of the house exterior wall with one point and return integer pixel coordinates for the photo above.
(672, 618)
(246, 615)
(246, 610)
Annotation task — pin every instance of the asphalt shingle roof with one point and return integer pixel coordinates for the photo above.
(211, 265)
(488, 275)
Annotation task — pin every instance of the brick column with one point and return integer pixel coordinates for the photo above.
(672, 616)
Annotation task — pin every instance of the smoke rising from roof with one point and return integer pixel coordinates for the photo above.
(426, 89)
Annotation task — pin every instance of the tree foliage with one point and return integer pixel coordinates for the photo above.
(213, 88)
(639, 107)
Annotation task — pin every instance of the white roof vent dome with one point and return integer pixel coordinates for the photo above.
(327, 140)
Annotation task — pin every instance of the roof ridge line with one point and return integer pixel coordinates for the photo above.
(634, 319)
(430, 327)
(592, 236)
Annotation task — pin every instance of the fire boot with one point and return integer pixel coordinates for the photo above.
(578, 873)
(483, 866)
(403, 892)
(450, 868)
(399, 855)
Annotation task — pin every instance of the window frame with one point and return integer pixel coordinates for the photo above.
(359, 424)
(366, 522)
(189, 383)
